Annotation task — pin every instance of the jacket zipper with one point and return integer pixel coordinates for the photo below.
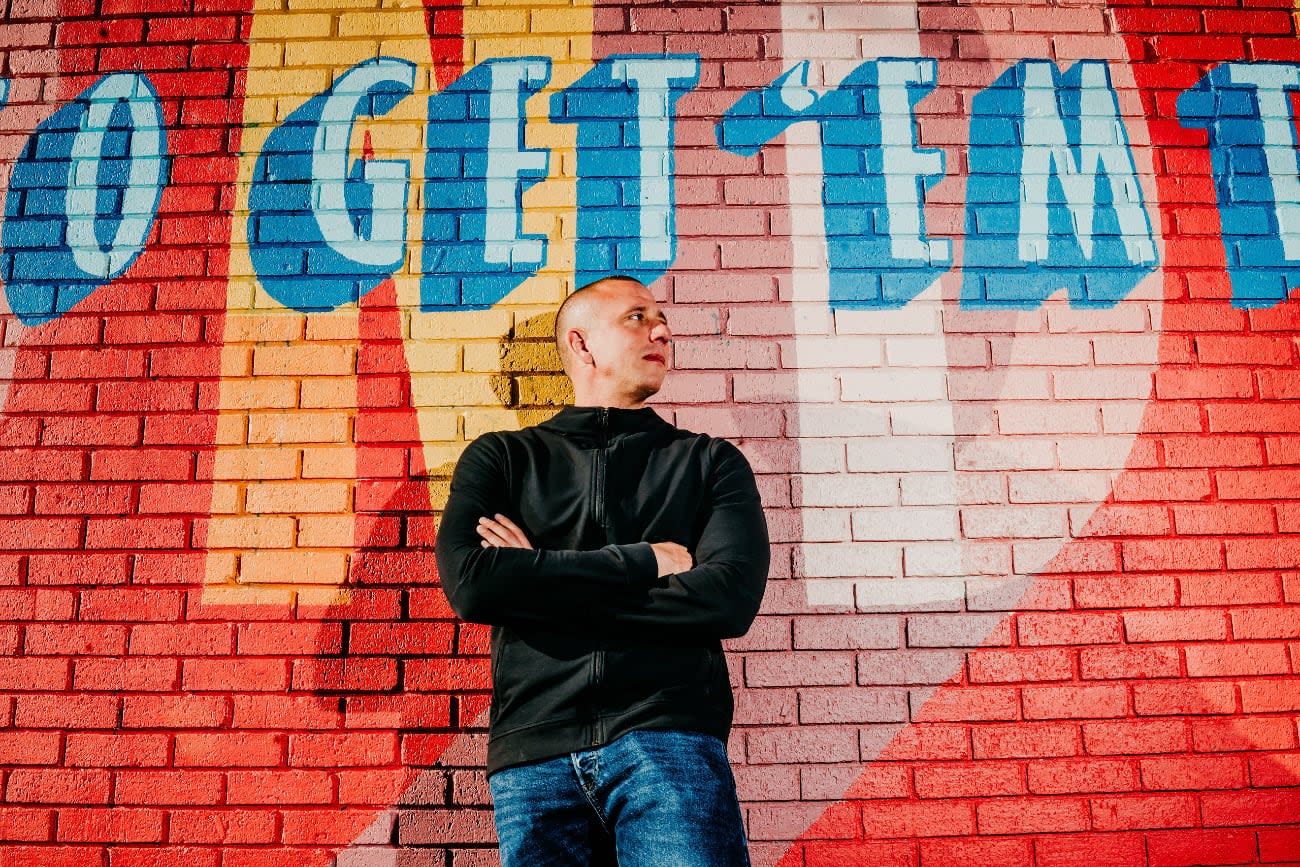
(598, 657)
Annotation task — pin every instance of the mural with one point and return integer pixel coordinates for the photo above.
(997, 300)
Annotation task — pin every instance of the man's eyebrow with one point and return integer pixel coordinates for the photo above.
(641, 308)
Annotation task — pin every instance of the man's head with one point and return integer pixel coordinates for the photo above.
(613, 341)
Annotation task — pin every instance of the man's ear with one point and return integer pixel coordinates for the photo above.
(577, 343)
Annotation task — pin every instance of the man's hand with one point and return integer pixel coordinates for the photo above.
(500, 532)
(672, 558)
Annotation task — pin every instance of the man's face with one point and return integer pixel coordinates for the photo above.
(628, 338)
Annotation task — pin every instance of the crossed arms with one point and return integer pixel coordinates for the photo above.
(495, 576)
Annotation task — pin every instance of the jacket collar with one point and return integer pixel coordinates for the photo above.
(610, 420)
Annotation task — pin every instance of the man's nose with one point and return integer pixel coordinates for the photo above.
(661, 332)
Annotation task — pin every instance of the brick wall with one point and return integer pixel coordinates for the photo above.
(1009, 345)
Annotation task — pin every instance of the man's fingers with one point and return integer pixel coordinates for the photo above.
(502, 533)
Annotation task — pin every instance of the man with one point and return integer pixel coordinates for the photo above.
(610, 551)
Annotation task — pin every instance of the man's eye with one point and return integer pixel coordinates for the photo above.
(637, 316)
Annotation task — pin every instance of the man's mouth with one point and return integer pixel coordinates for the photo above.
(654, 356)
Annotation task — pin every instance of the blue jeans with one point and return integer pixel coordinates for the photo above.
(652, 798)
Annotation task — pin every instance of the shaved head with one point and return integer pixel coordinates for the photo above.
(577, 312)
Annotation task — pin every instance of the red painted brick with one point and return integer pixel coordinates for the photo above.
(1268, 807)
(57, 786)
(114, 825)
(1070, 776)
(29, 748)
(969, 779)
(182, 788)
(279, 787)
(1110, 663)
(1031, 815)
(1137, 812)
(1193, 773)
(1175, 626)
(116, 750)
(1113, 850)
(175, 711)
(1175, 699)
(229, 749)
(67, 711)
(33, 674)
(140, 675)
(1235, 660)
(976, 704)
(1278, 844)
(1196, 848)
(1068, 629)
(917, 818)
(1020, 666)
(936, 742)
(961, 853)
(1135, 737)
(1269, 696)
(190, 856)
(26, 824)
(349, 674)
(342, 750)
(229, 827)
(280, 712)
(836, 854)
(80, 639)
(1027, 740)
(243, 675)
(1234, 589)
(1075, 702)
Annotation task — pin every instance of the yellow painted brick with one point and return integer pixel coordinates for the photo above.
(424, 356)
(550, 194)
(342, 5)
(518, 46)
(483, 357)
(298, 26)
(257, 393)
(480, 421)
(329, 393)
(323, 597)
(461, 324)
(220, 567)
(329, 462)
(299, 498)
(529, 356)
(460, 389)
(545, 289)
(232, 429)
(559, 20)
(261, 327)
(293, 567)
(303, 55)
(530, 417)
(537, 324)
(304, 359)
(544, 390)
(225, 498)
(399, 46)
(299, 427)
(499, 20)
(439, 491)
(255, 463)
(326, 531)
(247, 532)
(236, 360)
(380, 23)
(265, 55)
(297, 81)
(338, 325)
(442, 454)
(438, 424)
(265, 599)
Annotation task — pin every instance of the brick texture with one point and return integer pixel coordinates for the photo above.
(1035, 589)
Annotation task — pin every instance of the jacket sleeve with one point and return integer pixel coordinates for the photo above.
(515, 586)
(720, 596)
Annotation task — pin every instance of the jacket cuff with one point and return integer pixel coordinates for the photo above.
(643, 568)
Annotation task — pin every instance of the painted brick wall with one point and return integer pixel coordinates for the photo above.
(1023, 418)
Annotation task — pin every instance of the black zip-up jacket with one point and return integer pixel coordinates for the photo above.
(588, 643)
